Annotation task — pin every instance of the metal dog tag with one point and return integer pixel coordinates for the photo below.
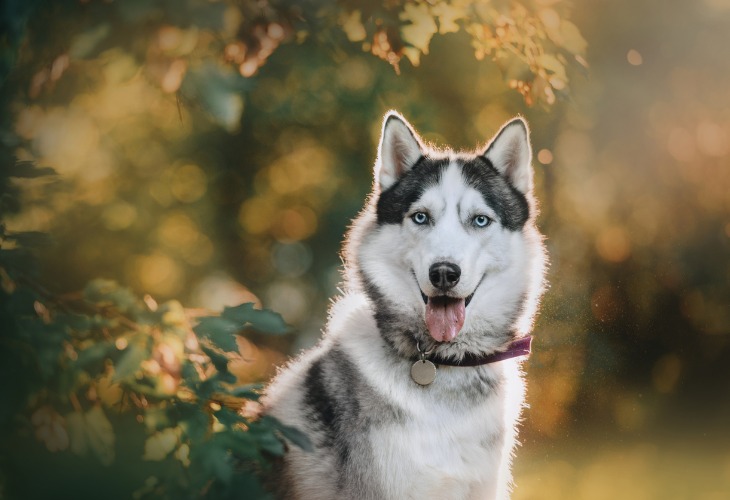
(423, 372)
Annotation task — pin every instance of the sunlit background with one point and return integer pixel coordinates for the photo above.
(229, 180)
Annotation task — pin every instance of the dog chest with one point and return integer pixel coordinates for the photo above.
(442, 453)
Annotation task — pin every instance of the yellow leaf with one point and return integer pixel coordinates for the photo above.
(91, 431)
(352, 26)
(109, 393)
(160, 444)
(447, 15)
(422, 27)
(174, 314)
(572, 39)
(77, 433)
(413, 55)
(101, 435)
(553, 65)
(183, 454)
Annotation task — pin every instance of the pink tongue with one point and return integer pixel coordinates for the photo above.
(444, 317)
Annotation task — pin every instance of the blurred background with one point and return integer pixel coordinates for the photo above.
(215, 153)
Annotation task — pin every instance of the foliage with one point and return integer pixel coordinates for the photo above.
(204, 52)
(81, 362)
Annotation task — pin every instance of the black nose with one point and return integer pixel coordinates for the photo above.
(444, 275)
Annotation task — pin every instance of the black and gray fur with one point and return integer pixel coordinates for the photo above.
(377, 434)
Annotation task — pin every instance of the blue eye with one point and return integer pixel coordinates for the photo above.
(482, 221)
(420, 218)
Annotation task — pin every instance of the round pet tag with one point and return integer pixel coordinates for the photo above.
(423, 372)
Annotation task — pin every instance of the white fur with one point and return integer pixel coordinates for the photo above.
(510, 153)
(398, 150)
(443, 446)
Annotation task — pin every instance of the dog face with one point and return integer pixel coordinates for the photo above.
(451, 250)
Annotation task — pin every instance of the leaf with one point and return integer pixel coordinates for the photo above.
(131, 360)
(219, 360)
(413, 55)
(422, 27)
(30, 238)
(109, 393)
(553, 65)
(91, 431)
(245, 481)
(215, 459)
(262, 320)
(93, 353)
(29, 170)
(159, 445)
(221, 331)
(218, 89)
(352, 26)
(84, 45)
(194, 421)
(263, 432)
(228, 417)
(447, 15)
(102, 291)
(572, 40)
(250, 391)
(294, 435)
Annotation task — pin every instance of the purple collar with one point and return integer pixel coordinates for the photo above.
(519, 347)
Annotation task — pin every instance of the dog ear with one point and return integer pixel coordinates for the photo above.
(511, 154)
(399, 149)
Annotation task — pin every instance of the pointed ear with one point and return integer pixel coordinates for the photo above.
(511, 154)
(399, 149)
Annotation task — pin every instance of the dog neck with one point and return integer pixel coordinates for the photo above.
(516, 348)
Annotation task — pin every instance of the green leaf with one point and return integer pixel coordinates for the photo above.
(93, 353)
(101, 291)
(85, 44)
(262, 320)
(93, 432)
(245, 481)
(250, 391)
(28, 170)
(263, 431)
(194, 420)
(218, 89)
(215, 459)
(159, 445)
(30, 238)
(131, 360)
(296, 436)
(219, 360)
(229, 418)
(221, 331)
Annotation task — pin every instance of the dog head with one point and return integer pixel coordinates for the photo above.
(447, 249)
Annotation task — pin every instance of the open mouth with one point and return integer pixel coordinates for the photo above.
(445, 315)
(466, 300)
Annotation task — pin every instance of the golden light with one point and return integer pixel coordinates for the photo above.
(173, 77)
(634, 57)
(545, 156)
(295, 224)
(712, 139)
(188, 183)
(157, 274)
(613, 244)
(255, 214)
(119, 215)
(681, 144)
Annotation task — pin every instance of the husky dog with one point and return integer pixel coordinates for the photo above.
(415, 390)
